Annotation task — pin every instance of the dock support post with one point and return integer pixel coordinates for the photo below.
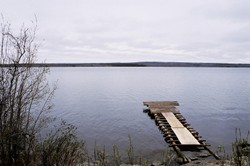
(212, 153)
(180, 154)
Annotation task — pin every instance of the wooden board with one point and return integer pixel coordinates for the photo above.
(184, 136)
(166, 109)
(172, 120)
(161, 103)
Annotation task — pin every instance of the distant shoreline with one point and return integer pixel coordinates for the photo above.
(132, 64)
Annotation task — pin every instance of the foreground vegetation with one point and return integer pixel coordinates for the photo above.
(240, 151)
(102, 158)
(25, 104)
(240, 156)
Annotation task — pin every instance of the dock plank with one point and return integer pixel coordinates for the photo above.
(172, 120)
(184, 136)
(161, 103)
(163, 109)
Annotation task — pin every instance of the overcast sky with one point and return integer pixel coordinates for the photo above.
(136, 30)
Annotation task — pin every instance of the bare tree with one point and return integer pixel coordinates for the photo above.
(25, 97)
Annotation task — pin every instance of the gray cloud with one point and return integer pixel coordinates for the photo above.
(137, 30)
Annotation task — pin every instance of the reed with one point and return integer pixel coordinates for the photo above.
(100, 157)
(130, 151)
(240, 155)
(116, 156)
(241, 149)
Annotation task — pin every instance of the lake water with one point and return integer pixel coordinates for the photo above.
(106, 103)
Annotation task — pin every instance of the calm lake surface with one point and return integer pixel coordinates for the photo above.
(106, 103)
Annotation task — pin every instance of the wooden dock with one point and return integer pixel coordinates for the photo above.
(174, 127)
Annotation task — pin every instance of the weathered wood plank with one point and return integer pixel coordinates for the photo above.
(172, 120)
(161, 103)
(184, 136)
(155, 110)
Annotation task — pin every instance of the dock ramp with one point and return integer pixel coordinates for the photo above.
(174, 127)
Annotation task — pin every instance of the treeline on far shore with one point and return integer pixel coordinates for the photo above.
(132, 64)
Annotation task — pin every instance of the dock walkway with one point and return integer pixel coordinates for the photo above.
(177, 132)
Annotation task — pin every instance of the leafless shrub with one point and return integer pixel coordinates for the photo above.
(25, 99)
